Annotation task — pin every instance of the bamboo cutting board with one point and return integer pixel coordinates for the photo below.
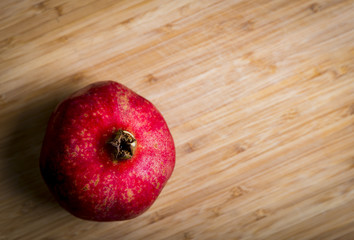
(259, 96)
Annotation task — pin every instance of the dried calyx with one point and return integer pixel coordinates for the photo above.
(123, 145)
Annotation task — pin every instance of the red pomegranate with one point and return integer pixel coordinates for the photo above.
(107, 153)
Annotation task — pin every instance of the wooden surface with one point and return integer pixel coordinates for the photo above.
(259, 96)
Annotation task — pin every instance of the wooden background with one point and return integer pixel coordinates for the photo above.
(259, 96)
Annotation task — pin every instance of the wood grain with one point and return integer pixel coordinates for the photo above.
(259, 96)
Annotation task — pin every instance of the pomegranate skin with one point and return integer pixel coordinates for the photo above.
(79, 167)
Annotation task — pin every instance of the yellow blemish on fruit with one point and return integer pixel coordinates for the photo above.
(94, 114)
(95, 150)
(77, 148)
(158, 185)
(86, 187)
(123, 101)
(97, 180)
(130, 195)
(85, 115)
